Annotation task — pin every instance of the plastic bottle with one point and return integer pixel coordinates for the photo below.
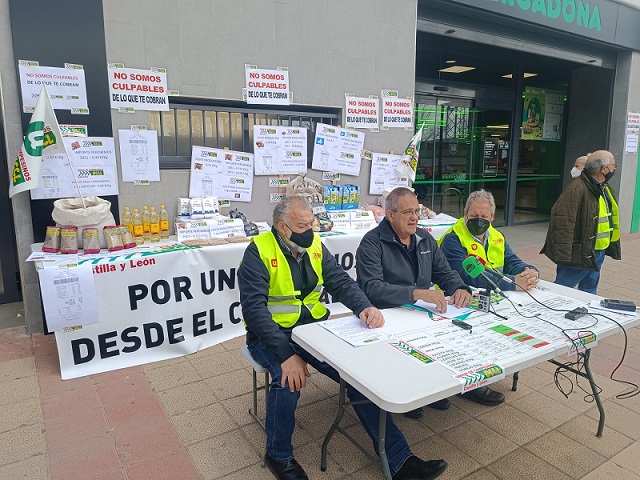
(127, 219)
(154, 225)
(164, 223)
(138, 230)
(145, 224)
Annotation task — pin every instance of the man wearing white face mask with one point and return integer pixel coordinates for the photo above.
(579, 165)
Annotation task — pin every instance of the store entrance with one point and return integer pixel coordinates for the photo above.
(465, 147)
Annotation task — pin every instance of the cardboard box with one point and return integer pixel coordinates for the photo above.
(331, 196)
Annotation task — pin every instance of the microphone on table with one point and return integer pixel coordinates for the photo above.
(475, 269)
(492, 270)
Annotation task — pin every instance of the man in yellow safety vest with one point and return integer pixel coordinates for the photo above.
(281, 277)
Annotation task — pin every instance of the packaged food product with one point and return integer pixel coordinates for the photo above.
(113, 238)
(127, 239)
(90, 240)
(69, 239)
(52, 240)
(210, 206)
(183, 207)
(195, 209)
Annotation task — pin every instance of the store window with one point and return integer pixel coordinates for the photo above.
(226, 125)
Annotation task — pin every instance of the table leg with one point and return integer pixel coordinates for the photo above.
(594, 389)
(382, 431)
(514, 385)
(334, 426)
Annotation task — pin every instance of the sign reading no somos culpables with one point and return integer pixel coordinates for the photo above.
(138, 89)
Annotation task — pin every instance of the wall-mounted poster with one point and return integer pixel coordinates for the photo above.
(225, 174)
(66, 87)
(279, 150)
(384, 175)
(337, 149)
(542, 114)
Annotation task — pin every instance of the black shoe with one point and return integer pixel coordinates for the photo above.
(443, 404)
(420, 469)
(484, 396)
(415, 414)
(290, 470)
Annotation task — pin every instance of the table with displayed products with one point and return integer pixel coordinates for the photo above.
(424, 358)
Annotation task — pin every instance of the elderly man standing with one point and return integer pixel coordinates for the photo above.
(397, 262)
(280, 279)
(585, 225)
(474, 235)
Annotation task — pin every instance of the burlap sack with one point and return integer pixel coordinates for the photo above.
(69, 211)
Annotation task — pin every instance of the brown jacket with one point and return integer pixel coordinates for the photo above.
(571, 237)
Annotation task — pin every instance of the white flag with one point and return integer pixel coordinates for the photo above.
(408, 163)
(43, 138)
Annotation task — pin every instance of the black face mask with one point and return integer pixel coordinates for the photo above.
(608, 175)
(478, 226)
(304, 239)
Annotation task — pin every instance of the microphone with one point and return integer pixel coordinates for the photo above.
(475, 268)
(493, 270)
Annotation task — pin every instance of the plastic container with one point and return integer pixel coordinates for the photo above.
(145, 223)
(52, 240)
(164, 223)
(154, 225)
(138, 230)
(127, 219)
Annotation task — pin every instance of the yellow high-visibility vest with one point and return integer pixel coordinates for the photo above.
(606, 233)
(494, 255)
(283, 301)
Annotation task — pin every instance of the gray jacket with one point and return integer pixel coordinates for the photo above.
(384, 268)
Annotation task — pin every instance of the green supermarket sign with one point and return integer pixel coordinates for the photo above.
(579, 12)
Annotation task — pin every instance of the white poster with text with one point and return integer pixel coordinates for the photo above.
(396, 112)
(384, 175)
(139, 155)
(279, 150)
(135, 89)
(269, 87)
(337, 149)
(362, 112)
(225, 174)
(66, 87)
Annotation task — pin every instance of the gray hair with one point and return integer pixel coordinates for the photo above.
(482, 195)
(595, 163)
(282, 209)
(393, 199)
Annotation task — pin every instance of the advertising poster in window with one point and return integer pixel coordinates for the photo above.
(279, 150)
(542, 115)
(94, 163)
(337, 150)
(384, 175)
(225, 174)
(66, 87)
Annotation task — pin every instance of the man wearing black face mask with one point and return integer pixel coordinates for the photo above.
(280, 279)
(585, 225)
(474, 235)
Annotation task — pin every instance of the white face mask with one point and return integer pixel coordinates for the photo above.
(575, 172)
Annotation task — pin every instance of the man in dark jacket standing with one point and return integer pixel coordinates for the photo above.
(280, 279)
(397, 262)
(585, 225)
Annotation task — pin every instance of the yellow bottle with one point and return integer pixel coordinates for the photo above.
(164, 223)
(138, 230)
(145, 224)
(127, 219)
(154, 225)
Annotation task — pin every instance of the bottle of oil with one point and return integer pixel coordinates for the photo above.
(164, 223)
(154, 225)
(138, 230)
(145, 224)
(127, 219)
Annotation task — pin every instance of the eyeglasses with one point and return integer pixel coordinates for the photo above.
(410, 212)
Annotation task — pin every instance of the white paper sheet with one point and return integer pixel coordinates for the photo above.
(225, 174)
(452, 310)
(354, 331)
(139, 155)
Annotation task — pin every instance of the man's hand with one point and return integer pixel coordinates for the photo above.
(431, 296)
(528, 279)
(294, 370)
(372, 317)
(461, 298)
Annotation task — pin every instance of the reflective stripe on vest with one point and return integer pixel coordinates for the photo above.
(283, 301)
(494, 257)
(605, 233)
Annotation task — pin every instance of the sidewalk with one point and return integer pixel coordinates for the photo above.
(186, 418)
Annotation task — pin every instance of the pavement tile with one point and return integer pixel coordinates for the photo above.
(18, 368)
(51, 382)
(441, 420)
(317, 418)
(413, 430)
(19, 389)
(12, 335)
(482, 474)
(513, 424)
(75, 428)
(113, 475)
(172, 376)
(632, 403)
(309, 457)
(70, 402)
(479, 442)
(618, 418)
(14, 351)
(583, 429)
(22, 443)
(48, 364)
(164, 363)
(137, 413)
(258, 439)
(226, 453)
(232, 384)
(151, 441)
(127, 388)
(186, 398)
(20, 414)
(97, 454)
(238, 408)
(257, 471)
(523, 464)
(610, 470)
(219, 363)
(114, 374)
(504, 387)
(197, 425)
(628, 458)
(217, 348)
(576, 399)
(32, 468)
(346, 455)
(565, 454)
(535, 378)
(235, 344)
(172, 466)
(460, 463)
(544, 409)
